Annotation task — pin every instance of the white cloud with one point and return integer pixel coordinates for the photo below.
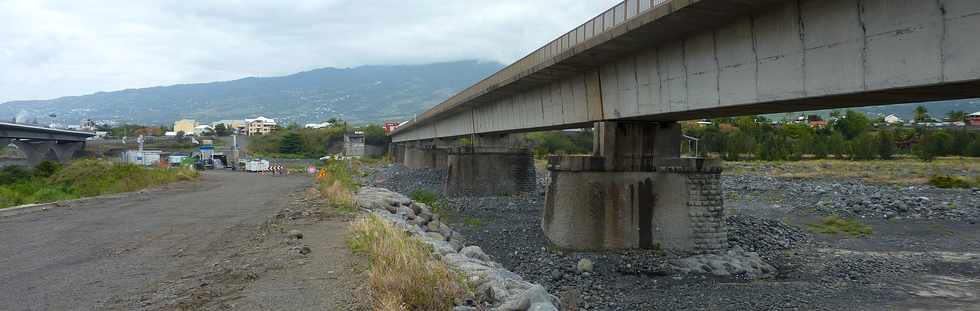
(57, 48)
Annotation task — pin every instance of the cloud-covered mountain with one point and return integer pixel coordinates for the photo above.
(360, 94)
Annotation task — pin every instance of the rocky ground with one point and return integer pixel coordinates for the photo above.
(924, 252)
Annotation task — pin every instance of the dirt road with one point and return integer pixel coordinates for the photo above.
(216, 243)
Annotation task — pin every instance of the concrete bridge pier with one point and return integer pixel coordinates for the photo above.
(635, 191)
(35, 151)
(38, 151)
(397, 152)
(426, 157)
(490, 167)
(64, 151)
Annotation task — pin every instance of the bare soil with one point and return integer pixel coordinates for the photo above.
(219, 243)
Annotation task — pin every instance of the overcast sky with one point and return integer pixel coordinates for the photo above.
(56, 48)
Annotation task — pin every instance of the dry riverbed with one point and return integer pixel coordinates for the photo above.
(922, 252)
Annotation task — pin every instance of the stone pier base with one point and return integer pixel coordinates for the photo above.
(490, 172)
(673, 203)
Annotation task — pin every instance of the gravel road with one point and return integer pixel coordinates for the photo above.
(215, 243)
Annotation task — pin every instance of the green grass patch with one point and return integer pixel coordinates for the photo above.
(439, 206)
(838, 225)
(49, 182)
(473, 222)
(945, 181)
(422, 196)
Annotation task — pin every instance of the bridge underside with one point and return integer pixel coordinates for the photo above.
(633, 79)
(704, 60)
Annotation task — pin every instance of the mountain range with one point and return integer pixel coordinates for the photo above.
(359, 95)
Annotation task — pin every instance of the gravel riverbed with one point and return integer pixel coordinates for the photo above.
(915, 241)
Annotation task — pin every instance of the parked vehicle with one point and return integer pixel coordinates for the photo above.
(257, 165)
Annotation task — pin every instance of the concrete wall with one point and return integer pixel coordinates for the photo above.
(490, 173)
(773, 60)
(417, 158)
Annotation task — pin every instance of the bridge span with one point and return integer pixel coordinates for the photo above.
(38, 142)
(636, 69)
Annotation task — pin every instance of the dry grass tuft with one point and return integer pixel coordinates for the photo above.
(404, 274)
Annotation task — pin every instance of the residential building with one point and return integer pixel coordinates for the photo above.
(186, 125)
(260, 126)
(893, 119)
(973, 119)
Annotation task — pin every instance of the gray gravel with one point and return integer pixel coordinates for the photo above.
(849, 198)
(765, 214)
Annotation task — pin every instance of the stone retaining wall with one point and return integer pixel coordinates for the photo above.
(496, 287)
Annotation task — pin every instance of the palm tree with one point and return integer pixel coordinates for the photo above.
(956, 116)
(921, 114)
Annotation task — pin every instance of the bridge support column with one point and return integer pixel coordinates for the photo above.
(426, 157)
(35, 151)
(490, 171)
(635, 192)
(65, 150)
(397, 152)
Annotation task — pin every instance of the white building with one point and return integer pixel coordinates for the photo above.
(318, 125)
(260, 126)
(893, 119)
(202, 130)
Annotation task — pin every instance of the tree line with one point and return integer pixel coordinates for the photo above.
(851, 135)
(294, 141)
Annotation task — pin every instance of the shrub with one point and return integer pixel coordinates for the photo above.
(863, 147)
(404, 274)
(423, 196)
(949, 182)
(836, 225)
(886, 145)
(47, 168)
(13, 174)
(973, 149)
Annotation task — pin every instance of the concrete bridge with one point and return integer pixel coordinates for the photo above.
(38, 142)
(636, 69)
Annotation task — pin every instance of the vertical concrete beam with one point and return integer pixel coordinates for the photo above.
(629, 145)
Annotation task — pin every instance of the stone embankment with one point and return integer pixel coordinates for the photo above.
(496, 287)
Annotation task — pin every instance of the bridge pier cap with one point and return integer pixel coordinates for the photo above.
(635, 192)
